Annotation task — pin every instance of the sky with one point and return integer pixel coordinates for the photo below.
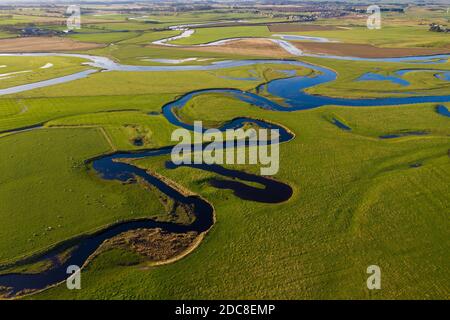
(106, 1)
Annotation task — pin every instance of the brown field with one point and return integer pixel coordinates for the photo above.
(364, 50)
(266, 48)
(246, 47)
(298, 27)
(44, 44)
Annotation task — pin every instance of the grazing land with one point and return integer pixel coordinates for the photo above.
(361, 226)
(369, 182)
(22, 70)
(365, 50)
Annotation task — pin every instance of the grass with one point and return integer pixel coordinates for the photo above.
(205, 35)
(357, 199)
(41, 110)
(165, 20)
(104, 37)
(84, 99)
(30, 69)
(124, 127)
(387, 36)
(357, 202)
(421, 83)
(67, 198)
(148, 37)
(139, 83)
(14, 19)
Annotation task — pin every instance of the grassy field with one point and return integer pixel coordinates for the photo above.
(173, 83)
(421, 83)
(357, 202)
(205, 35)
(41, 110)
(140, 83)
(16, 71)
(148, 37)
(44, 170)
(358, 199)
(388, 36)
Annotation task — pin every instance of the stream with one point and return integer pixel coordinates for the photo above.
(291, 91)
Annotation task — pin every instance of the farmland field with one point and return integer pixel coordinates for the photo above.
(88, 133)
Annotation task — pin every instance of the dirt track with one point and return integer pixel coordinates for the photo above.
(44, 44)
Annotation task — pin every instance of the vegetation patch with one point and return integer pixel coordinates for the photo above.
(154, 245)
(41, 44)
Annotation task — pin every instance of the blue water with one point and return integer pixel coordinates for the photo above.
(47, 83)
(254, 77)
(271, 191)
(370, 76)
(397, 78)
(440, 74)
(240, 78)
(403, 134)
(402, 72)
(444, 76)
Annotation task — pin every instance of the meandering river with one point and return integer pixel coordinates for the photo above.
(290, 90)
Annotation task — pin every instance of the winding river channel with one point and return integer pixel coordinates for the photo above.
(291, 91)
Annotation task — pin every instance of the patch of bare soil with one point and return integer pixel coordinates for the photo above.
(44, 44)
(364, 50)
(246, 47)
(298, 27)
(154, 244)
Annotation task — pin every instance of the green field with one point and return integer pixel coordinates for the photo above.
(104, 37)
(84, 202)
(421, 83)
(356, 202)
(16, 71)
(205, 35)
(140, 83)
(358, 199)
(387, 36)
